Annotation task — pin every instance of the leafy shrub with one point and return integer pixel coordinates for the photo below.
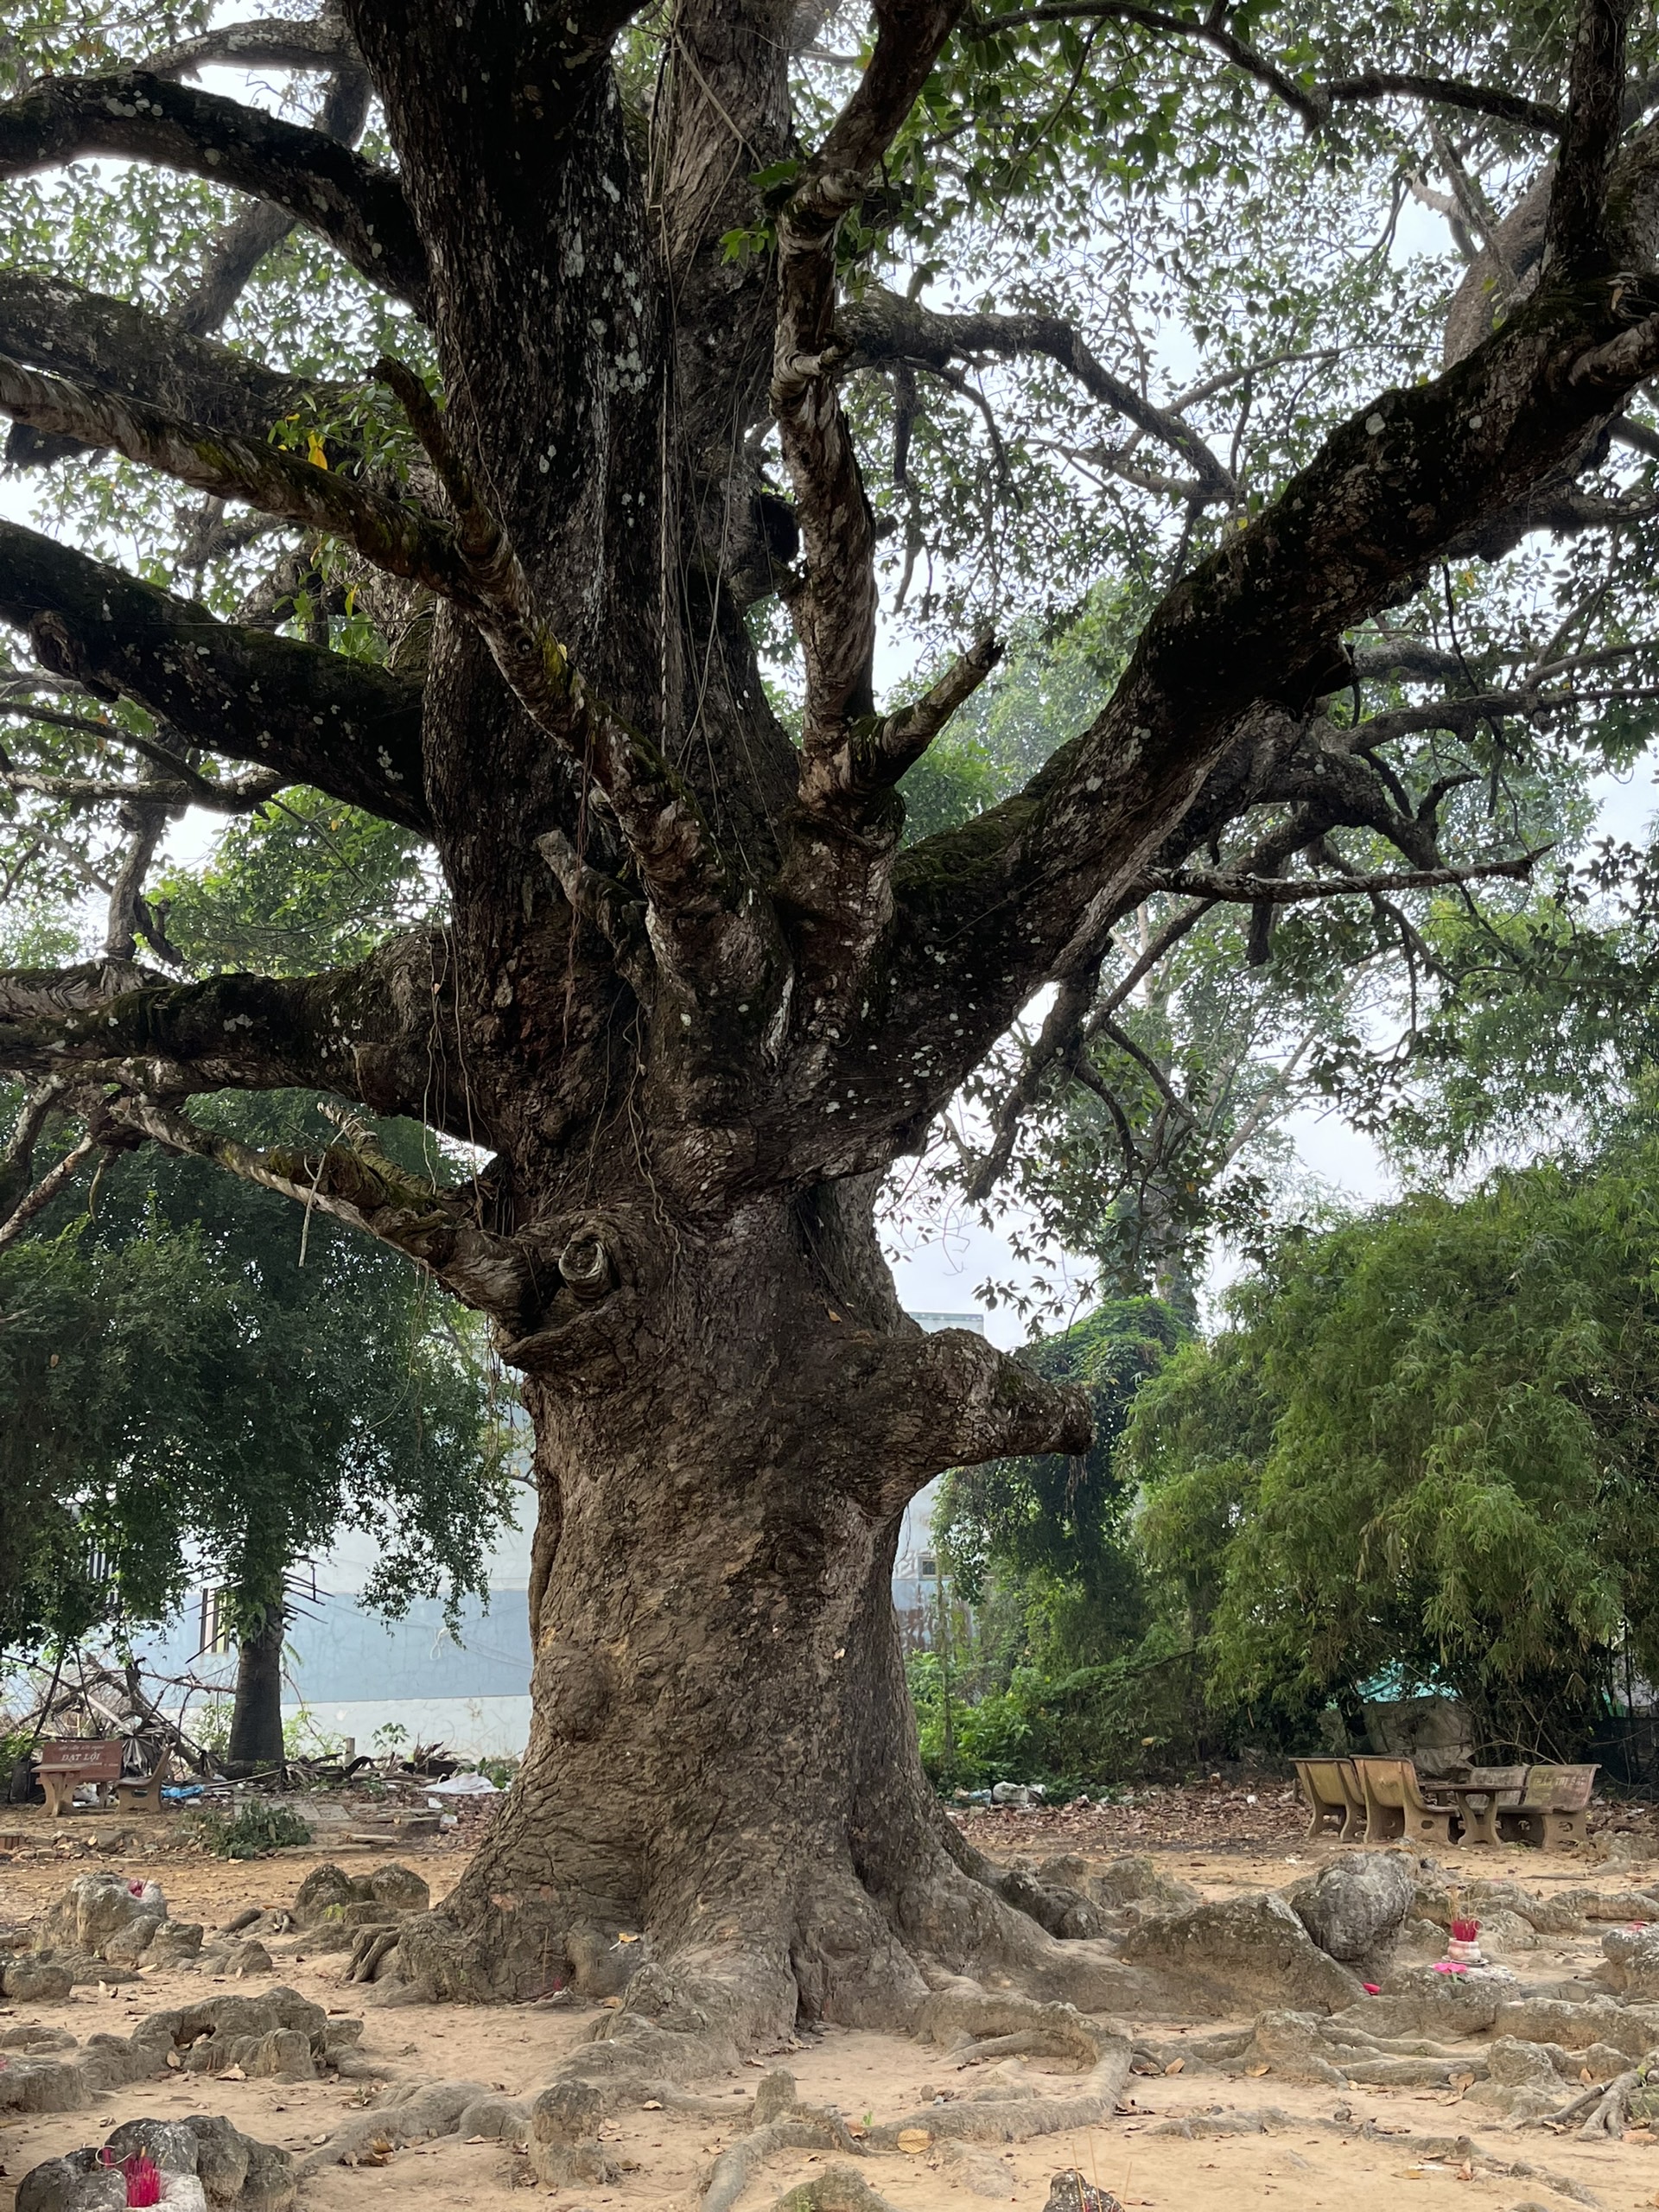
(257, 1831)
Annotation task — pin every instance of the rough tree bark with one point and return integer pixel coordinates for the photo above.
(256, 1738)
(694, 1003)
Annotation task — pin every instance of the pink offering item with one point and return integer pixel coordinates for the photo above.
(1371, 1989)
(143, 2179)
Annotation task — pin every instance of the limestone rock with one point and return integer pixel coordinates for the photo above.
(1133, 1879)
(168, 2143)
(1244, 1953)
(1070, 2192)
(35, 1981)
(1502, 1932)
(399, 1887)
(231, 2168)
(324, 1887)
(260, 2034)
(101, 1911)
(175, 1942)
(76, 2183)
(563, 2135)
(248, 1958)
(31, 2036)
(1355, 1908)
(1632, 1962)
(977, 2172)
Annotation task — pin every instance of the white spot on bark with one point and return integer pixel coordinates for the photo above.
(1375, 426)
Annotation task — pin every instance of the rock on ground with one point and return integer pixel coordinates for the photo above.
(1355, 1908)
(1239, 1955)
(227, 2167)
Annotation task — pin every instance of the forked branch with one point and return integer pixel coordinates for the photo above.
(1313, 102)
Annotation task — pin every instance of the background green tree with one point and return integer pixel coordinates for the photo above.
(1425, 1449)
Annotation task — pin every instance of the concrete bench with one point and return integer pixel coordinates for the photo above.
(63, 1768)
(1553, 1813)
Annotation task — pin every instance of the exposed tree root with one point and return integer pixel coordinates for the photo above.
(837, 2189)
(1605, 2108)
(805, 2129)
(1454, 2150)
(369, 1954)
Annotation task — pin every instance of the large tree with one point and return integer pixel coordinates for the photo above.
(690, 996)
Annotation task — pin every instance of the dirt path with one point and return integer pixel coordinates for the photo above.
(1354, 2149)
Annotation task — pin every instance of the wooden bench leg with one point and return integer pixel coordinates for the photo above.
(58, 1787)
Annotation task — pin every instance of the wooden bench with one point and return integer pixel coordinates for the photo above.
(1553, 1811)
(1332, 1793)
(63, 1767)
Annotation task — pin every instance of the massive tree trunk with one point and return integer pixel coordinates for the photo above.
(723, 1757)
(693, 1001)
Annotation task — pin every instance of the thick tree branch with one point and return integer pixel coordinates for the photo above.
(1244, 889)
(189, 789)
(35, 1200)
(1313, 102)
(359, 1186)
(244, 244)
(983, 915)
(396, 536)
(17, 1157)
(134, 113)
(834, 608)
(313, 716)
(691, 888)
(1575, 236)
(881, 327)
(947, 1399)
(265, 43)
(382, 1032)
(48, 323)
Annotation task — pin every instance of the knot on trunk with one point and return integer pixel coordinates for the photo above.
(587, 1269)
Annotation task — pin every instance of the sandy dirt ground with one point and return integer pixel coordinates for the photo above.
(1354, 2149)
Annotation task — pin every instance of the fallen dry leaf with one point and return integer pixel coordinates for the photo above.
(1256, 2072)
(1175, 2066)
(913, 2139)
